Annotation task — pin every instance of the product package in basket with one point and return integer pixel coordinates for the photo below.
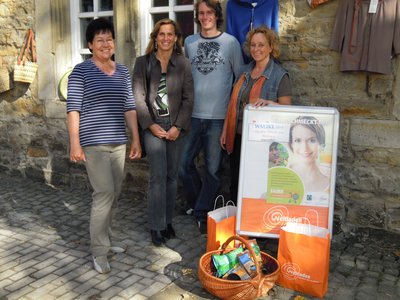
(246, 288)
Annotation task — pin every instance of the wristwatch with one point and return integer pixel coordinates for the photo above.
(178, 127)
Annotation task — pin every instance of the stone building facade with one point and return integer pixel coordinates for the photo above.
(34, 141)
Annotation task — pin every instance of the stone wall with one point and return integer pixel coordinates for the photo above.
(34, 140)
(368, 164)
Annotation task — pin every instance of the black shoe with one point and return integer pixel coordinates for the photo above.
(165, 234)
(156, 238)
(169, 233)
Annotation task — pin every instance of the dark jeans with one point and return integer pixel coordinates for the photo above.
(163, 157)
(234, 164)
(200, 192)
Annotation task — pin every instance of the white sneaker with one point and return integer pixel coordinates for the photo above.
(101, 264)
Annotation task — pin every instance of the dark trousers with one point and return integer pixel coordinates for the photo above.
(234, 163)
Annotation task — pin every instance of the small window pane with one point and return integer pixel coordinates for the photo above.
(83, 26)
(158, 17)
(86, 6)
(106, 5)
(86, 56)
(184, 2)
(186, 23)
(158, 3)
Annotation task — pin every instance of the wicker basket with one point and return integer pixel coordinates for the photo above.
(241, 289)
(25, 72)
(26, 66)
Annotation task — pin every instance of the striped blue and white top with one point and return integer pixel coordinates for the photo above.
(102, 101)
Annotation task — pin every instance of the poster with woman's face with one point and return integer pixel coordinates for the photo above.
(287, 173)
(299, 172)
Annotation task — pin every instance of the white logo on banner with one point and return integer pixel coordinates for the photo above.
(278, 216)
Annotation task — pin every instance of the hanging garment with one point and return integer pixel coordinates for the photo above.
(367, 41)
(244, 15)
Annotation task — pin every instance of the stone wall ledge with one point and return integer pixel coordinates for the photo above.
(375, 133)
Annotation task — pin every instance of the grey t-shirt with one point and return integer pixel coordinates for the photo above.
(216, 62)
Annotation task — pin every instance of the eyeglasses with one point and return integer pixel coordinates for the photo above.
(104, 42)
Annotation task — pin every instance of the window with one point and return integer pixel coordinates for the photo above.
(82, 12)
(180, 11)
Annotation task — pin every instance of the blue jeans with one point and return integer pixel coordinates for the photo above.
(200, 193)
(163, 157)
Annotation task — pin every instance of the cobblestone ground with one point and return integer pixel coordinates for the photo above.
(44, 253)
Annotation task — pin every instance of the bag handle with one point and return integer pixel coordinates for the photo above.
(259, 276)
(312, 211)
(230, 202)
(28, 48)
(226, 206)
(216, 200)
(307, 220)
(23, 49)
(33, 46)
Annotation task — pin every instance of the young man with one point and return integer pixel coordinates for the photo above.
(216, 60)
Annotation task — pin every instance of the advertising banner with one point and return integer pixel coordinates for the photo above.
(287, 169)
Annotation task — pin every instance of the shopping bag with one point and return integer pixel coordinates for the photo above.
(221, 224)
(303, 254)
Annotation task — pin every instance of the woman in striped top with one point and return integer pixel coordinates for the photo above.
(99, 104)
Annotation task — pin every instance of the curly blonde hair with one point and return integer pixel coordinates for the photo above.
(270, 35)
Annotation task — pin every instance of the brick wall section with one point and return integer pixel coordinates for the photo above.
(34, 139)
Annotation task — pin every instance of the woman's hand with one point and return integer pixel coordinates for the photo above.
(76, 153)
(158, 131)
(222, 138)
(75, 149)
(172, 134)
(136, 150)
(263, 102)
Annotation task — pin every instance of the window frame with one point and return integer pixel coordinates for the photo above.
(147, 9)
(76, 38)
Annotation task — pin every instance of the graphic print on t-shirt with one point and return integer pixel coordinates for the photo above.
(162, 94)
(207, 57)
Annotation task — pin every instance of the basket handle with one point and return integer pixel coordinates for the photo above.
(33, 46)
(248, 246)
(23, 49)
(28, 47)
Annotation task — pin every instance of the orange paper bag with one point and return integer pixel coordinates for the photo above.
(303, 254)
(221, 225)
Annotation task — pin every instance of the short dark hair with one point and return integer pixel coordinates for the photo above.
(213, 4)
(100, 25)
